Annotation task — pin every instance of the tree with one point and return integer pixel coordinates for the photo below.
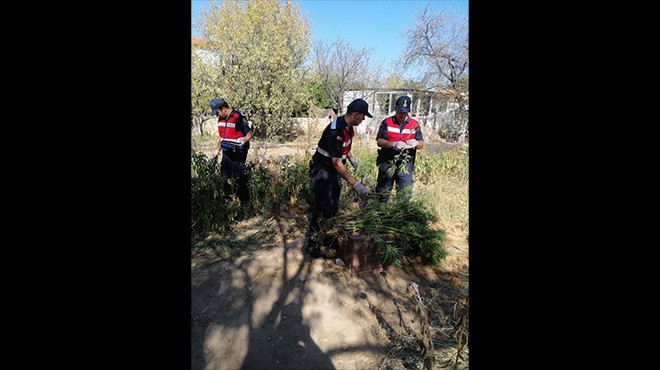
(339, 67)
(259, 49)
(318, 93)
(397, 81)
(438, 44)
(205, 84)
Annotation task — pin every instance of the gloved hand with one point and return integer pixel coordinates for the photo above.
(359, 188)
(399, 145)
(354, 163)
(240, 143)
(215, 153)
(412, 143)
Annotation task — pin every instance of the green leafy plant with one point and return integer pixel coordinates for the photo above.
(399, 163)
(398, 229)
(211, 208)
(276, 189)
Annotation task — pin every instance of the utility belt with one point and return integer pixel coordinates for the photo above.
(232, 146)
(326, 154)
(316, 164)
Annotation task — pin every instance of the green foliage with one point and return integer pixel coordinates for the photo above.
(367, 171)
(202, 89)
(318, 95)
(283, 188)
(260, 48)
(399, 163)
(398, 229)
(397, 81)
(272, 191)
(296, 188)
(210, 210)
(276, 190)
(431, 168)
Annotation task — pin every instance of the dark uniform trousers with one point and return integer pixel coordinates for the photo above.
(233, 166)
(326, 186)
(385, 183)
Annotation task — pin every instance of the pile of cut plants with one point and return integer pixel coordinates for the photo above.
(398, 229)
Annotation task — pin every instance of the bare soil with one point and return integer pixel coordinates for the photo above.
(278, 308)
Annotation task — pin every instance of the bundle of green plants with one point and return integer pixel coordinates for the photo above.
(398, 229)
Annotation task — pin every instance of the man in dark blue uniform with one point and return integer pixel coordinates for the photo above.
(234, 135)
(398, 139)
(328, 164)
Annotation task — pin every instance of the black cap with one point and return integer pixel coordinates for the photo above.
(403, 104)
(360, 106)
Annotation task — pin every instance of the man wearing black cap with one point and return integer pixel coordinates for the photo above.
(328, 165)
(398, 139)
(234, 141)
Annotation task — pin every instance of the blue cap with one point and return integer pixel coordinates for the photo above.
(215, 104)
(360, 106)
(403, 104)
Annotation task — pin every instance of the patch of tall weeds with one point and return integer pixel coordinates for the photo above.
(272, 190)
(211, 210)
(431, 168)
(279, 188)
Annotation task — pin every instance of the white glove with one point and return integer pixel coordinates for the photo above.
(240, 143)
(399, 145)
(412, 143)
(359, 188)
(215, 153)
(354, 163)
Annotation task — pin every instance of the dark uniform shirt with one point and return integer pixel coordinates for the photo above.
(332, 141)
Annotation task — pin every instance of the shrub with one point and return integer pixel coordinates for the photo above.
(211, 209)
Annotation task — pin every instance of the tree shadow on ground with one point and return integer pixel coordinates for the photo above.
(244, 320)
(253, 312)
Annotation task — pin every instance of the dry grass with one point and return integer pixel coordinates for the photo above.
(449, 201)
(441, 324)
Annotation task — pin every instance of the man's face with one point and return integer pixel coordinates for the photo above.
(357, 118)
(401, 116)
(223, 112)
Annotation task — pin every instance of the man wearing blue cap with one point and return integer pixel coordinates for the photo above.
(398, 139)
(234, 141)
(328, 165)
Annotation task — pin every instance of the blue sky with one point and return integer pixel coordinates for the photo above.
(376, 23)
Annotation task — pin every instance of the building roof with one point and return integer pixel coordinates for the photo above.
(197, 41)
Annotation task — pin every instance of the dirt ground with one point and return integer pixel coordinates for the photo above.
(277, 308)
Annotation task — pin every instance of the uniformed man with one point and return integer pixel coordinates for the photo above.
(398, 139)
(234, 141)
(328, 164)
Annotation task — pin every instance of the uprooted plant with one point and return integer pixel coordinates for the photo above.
(398, 228)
